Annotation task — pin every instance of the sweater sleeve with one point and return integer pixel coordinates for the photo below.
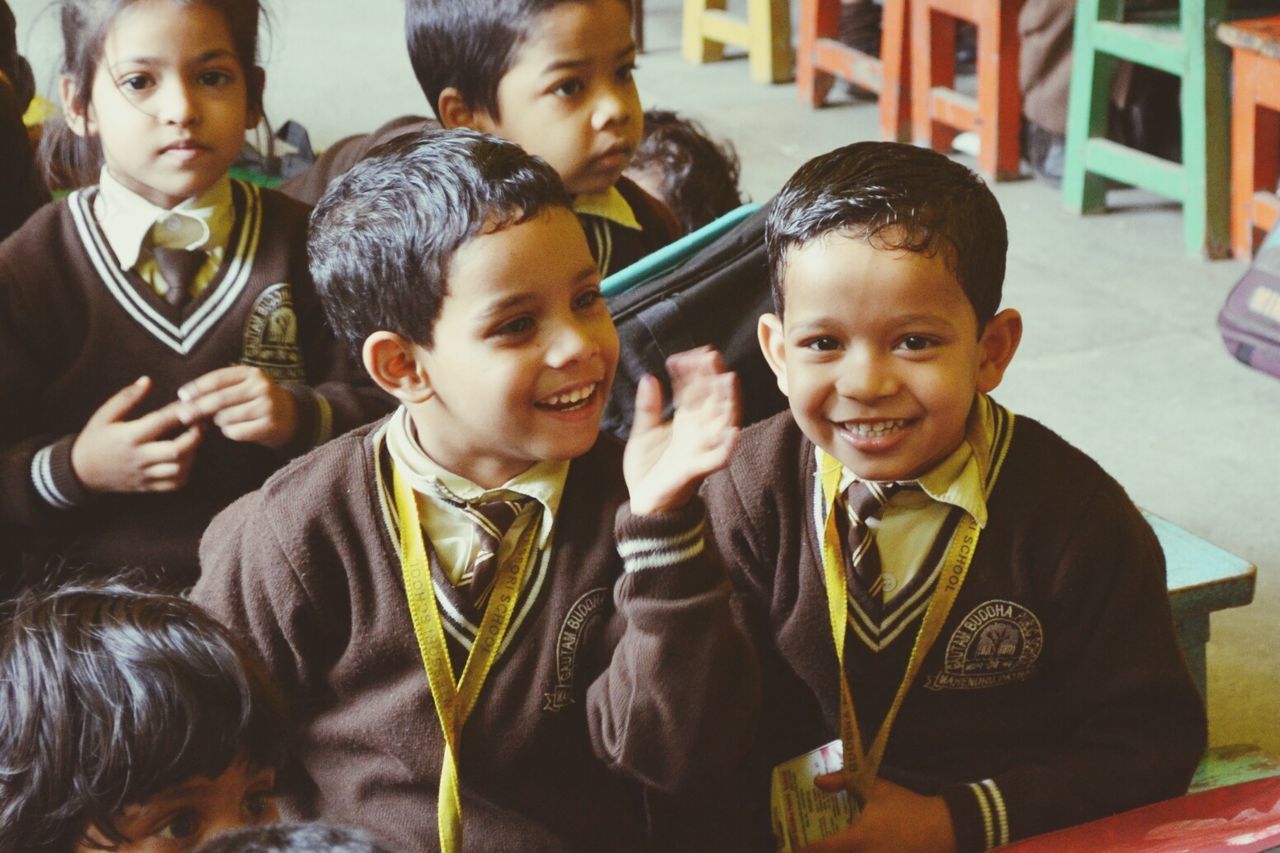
(1140, 728)
(679, 698)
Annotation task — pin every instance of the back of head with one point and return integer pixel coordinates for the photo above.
(70, 160)
(108, 696)
(467, 44)
(384, 234)
(293, 838)
(694, 175)
(902, 197)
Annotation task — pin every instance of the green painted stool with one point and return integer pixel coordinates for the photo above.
(1181, 43)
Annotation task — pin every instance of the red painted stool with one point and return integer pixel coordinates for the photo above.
(821, 57)
(938, 112)
(1255, 129)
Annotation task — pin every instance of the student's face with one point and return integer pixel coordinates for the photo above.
(523, 353)
(169, 101)
(570, 98)
(879, 354)
(186, 816)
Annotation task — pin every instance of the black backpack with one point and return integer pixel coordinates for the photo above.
(715, 297)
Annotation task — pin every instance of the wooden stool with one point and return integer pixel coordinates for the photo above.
(1184, 46)
(821, 57)
(938, 112)
(766, 34)
(1255, 129)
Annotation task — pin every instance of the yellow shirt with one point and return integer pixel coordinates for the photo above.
(133, 225)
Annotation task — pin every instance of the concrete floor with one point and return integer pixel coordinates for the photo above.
(1120, 354)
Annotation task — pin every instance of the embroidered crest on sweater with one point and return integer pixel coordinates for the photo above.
(271, 336)
(578, 623)
(996, 643)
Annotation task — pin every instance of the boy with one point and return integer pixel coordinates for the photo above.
(1052, 691)
(129, 721)
(453, 262)
(553, 76)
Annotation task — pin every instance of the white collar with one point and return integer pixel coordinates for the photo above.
(127, 219)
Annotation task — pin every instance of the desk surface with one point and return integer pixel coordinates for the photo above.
(1200, 574)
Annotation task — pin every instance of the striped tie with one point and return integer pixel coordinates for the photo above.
(492, 519)
(865, 501)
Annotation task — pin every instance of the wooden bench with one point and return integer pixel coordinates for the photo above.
(765, 33)
(1202, 578)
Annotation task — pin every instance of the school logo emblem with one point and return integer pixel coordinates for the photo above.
(997, 643)
(579, 622)
(271, 336)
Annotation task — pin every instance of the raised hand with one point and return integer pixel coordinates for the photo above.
(112, 454)
(666, 462)
(244, 403)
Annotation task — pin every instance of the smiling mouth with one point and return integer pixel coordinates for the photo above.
(568, 401)
(874, 429)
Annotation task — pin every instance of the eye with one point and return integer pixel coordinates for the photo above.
(214, 78)
(625, 71)
(257, 805)
(825, 343)
(569, 88)
(917, 343)
(518, 326)
(135, 82)
(587, 299)
(183, 824)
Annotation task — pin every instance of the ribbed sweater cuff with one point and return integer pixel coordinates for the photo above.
(315, 418)
(660, 539)
(978, 815)
(54, 479)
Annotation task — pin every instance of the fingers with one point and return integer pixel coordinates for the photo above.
(167, 464)
(832, 783)
(121, 403)
(648, 406)
(220, 389)
(690, 371)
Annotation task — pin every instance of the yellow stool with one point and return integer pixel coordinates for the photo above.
(766, 35)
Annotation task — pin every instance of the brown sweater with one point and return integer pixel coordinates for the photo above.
(75, 328)
(611, 678)
(1056, 691)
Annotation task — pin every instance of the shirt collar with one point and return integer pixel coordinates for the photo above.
(129, 221)
(609, 205)
(544, 481)
(959, 478)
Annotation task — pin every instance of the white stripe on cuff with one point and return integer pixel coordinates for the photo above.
(42, 479)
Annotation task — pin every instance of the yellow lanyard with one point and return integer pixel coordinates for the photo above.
(861, 767)
(453, 700)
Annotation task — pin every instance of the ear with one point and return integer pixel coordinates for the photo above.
(996, 348)
(255, 85)
(773, 345)
(81, 123)
(454, 111)
(392, 361)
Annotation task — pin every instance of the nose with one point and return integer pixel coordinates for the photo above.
(179, 105)
(613, 107)
(866, 376)
(572, 342)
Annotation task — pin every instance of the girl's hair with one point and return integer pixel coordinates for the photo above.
(110, 695)
(70, 160)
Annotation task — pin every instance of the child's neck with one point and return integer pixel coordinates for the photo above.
(478, 468)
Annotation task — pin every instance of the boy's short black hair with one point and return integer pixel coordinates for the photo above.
(110, 695)
(698, 175)
(293, 838)
(384, 234)
(469, 45)
(904, 198)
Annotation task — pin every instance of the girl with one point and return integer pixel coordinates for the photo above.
(158, 332)
(129, 721)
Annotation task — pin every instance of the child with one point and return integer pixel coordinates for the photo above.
(453, 261)
(159, 333)
(679, 164)
(129, 721)
(555, 77)
(1047, 687)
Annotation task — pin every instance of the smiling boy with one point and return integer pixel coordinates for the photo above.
(474, 530)
(971, 604)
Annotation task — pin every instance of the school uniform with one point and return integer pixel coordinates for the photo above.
(612, 672)
(84, 311)
(1055, 692)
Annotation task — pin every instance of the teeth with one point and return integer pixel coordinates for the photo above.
(569, 398)
(877, 428)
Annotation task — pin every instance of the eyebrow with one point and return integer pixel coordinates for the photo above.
(515, 300)
(564, 64)
(207, 56)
